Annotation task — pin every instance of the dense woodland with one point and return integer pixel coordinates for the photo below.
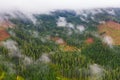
(33, 41)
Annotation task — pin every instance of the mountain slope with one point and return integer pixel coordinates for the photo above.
(62, 45)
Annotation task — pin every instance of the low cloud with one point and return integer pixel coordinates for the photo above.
(108, 40)
(83, 19)
(70, 25)
(61, 22)
(44, 58)
(81, 28)
(46, 5)
(14, 51)
(27, 60)
(31, 17)
(96, 72)
(35, 34)
(8, 65)
(12, 47)
(111, 12)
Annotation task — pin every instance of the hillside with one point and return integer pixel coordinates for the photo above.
(111, 29)
(60, 45)
(3, 35)
(4, 25)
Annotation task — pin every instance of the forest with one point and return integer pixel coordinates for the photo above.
(45, 51)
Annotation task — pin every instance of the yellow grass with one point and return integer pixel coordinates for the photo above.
(111, 29)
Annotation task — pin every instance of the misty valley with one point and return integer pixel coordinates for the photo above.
(60, 45)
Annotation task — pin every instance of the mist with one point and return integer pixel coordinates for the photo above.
(48, 5)
(30, 7)
(108, 40)
(61, 22)
(12, 47)
(81, 28)
(96, 72)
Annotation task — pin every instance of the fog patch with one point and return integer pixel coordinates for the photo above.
(45, 38)
(101, 22)
(8, 65)
(27, 60)
(85, 15)
(111, 12)
(70, 25)
(108, 40)
(78, 12)
(32, 18)
(96, 72)
(69, 32)
(44, 58)
(12, 47)
(25, 15)
(61, 22)
(81, 28)
(86, 12)
(60, 41)
(95, 11)
(82, 13)
(92, 18)
(82, 19)
(35, 34)
(17, 14)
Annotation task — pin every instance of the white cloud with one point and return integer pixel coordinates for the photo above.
(61, 22)
(14, 51)
(108, 40)
(95, 69)
(44, 58)
(81, 28)
(83, 19)
(70, 25)
(35, 34)
(60, 41)
(27, 60)
(112, 12)
(96, 72)
(45, 5)
(12, 47)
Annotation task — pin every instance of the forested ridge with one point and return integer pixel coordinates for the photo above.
(60, 46)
